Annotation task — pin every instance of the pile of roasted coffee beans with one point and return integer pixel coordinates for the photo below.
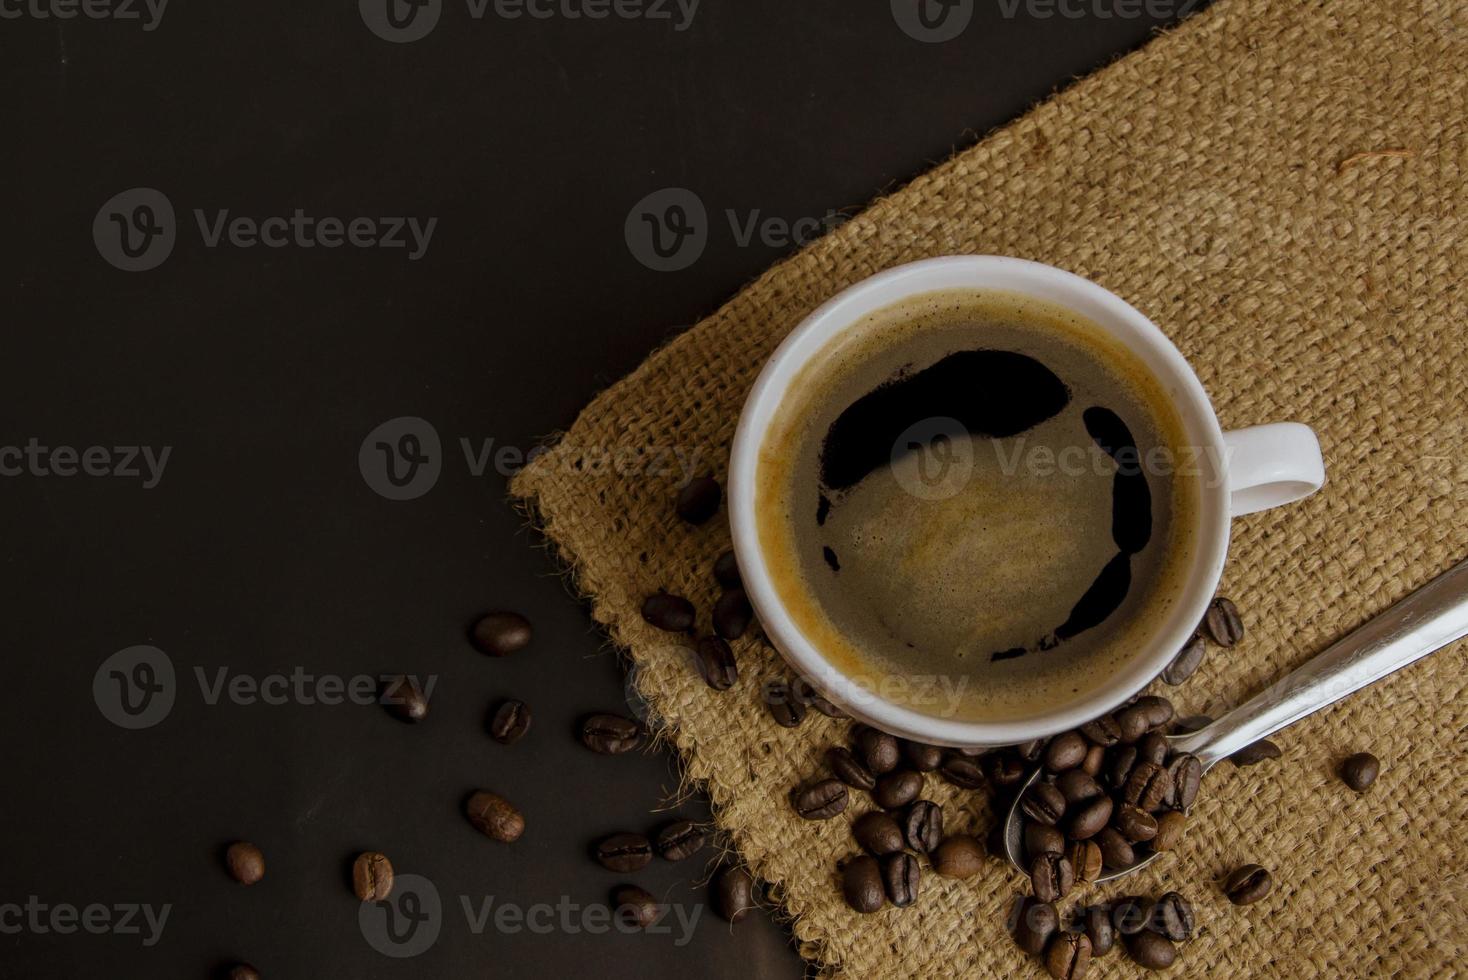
(901, 833)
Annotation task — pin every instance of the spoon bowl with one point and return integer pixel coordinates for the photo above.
(1425, 621)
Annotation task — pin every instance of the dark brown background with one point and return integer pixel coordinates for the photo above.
(263, 549)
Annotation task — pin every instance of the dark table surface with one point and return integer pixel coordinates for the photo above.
(263, 552)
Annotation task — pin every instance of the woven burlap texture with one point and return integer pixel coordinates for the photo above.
(1232, 180)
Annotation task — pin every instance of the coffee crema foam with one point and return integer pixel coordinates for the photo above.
(939, 501)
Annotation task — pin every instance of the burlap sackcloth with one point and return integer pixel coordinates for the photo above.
(1279, 185)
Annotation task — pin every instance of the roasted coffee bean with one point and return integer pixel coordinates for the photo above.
(878, 750)
(1088, 819)
(1159, 711)
(510, 722)
(1150, 951)
(1172, 917)
(1134, 823)
(1042, 839)
(1065, 751)
(1149, 786)
(846, 768)
(1152, 747)
(611, 734)
(242, 971)
(1223, 624)
(959, 856)
(1077, 787)
(920, 755)
(821, 799)
(962, 771)
(1005, 770)
(783, 706)
(733, 894)
(1130, 914)
(245, 861)
(699, 500)
(971, 751)
(495, 817)
(623, 853)
(404, 698)
(1186, 663)
(1043, 803)
(1094, 761)
(1133, 723)
(1247, 885)
(1085, 859)
(877, 833)
(726, 571)
(500, 634)
(1103, 731)
(861, 884)
(1186, 773)
(1360, 771)
(1034, 923)
(714, 661)
(672, 613)
(1068, 956)
(680, 840)
(1095, 921)
(1170, 826)
(1116, 851)
(807, 695)
(372, 876)
(897, 789)
(1051, 877)
(922, 826)
(732, 614)
(1030, 751)
(635, 906)
(900, 875)
(1255, 753)
(1119, 765)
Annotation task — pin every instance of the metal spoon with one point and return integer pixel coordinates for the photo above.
(1425, 621)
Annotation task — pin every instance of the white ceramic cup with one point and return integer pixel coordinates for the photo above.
(1261, 467)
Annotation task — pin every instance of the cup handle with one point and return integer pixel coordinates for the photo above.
(1273, 464)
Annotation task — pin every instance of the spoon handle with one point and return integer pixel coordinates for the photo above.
(1427, 620)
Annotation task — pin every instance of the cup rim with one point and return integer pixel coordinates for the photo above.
(1043, 282)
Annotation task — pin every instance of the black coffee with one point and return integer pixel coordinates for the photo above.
(980, 488)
